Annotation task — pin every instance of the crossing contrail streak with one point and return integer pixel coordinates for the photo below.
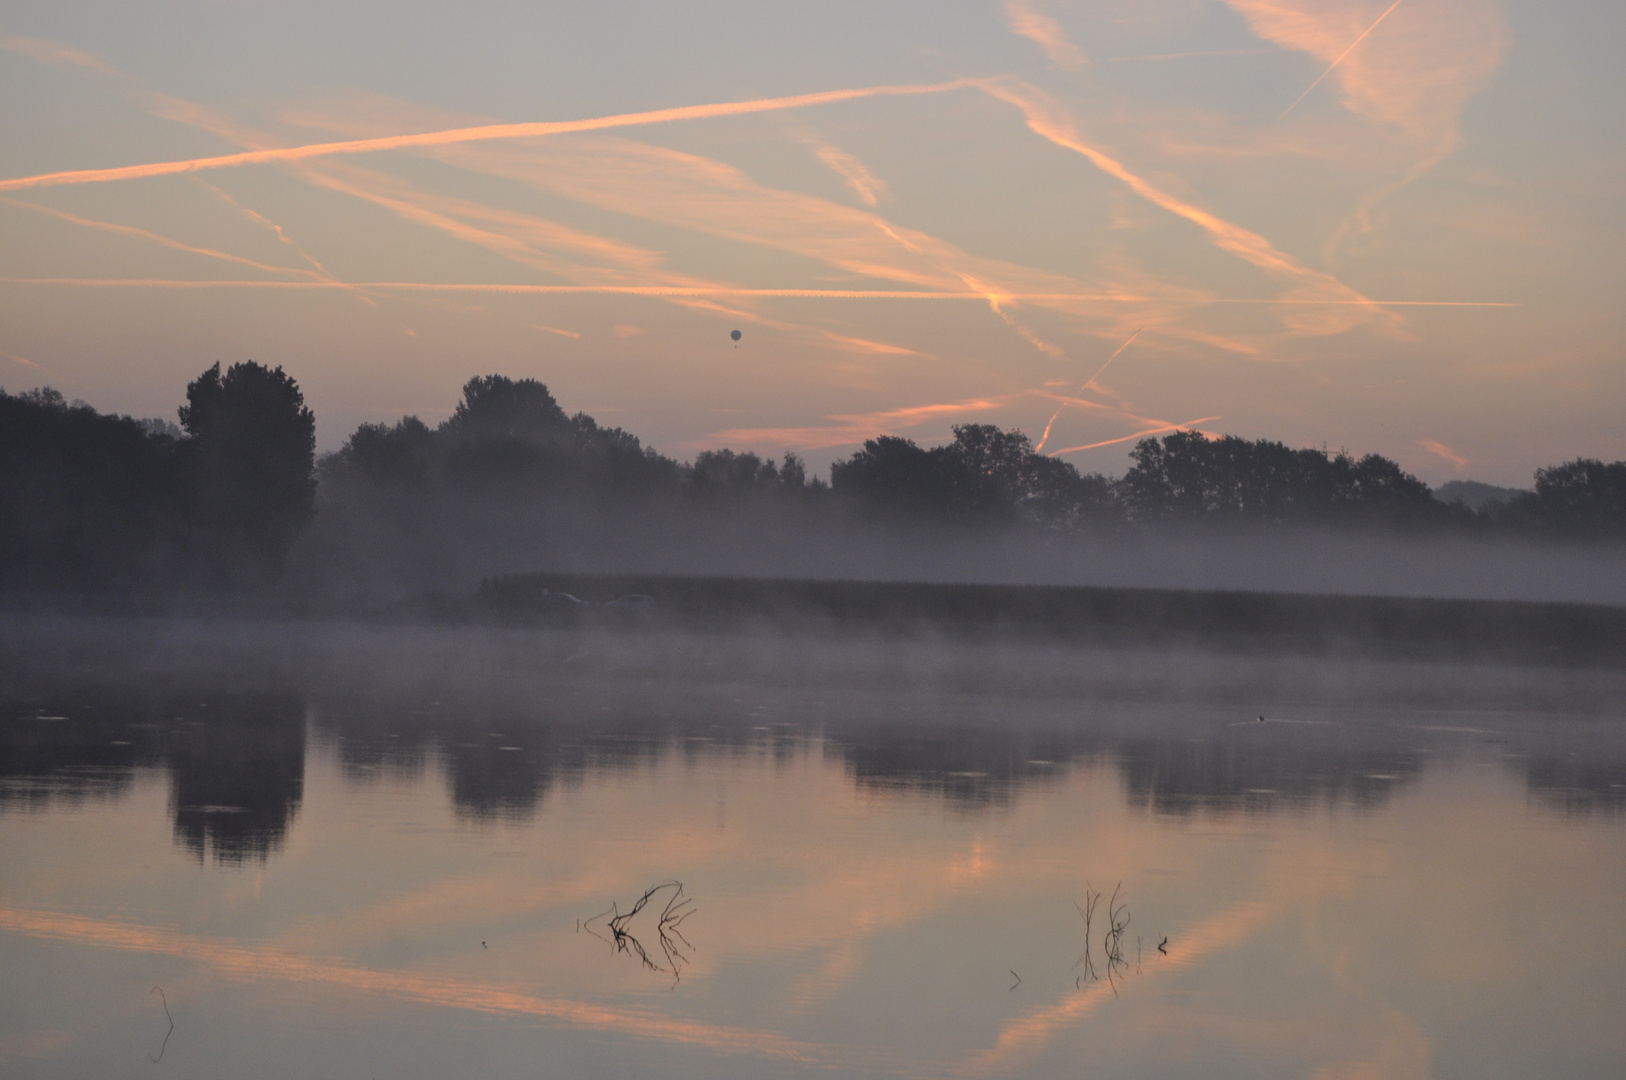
(1136, 435)
(1116, 353)
(1046, 436)
(483, 133)
(714, 290)
(1341, 57)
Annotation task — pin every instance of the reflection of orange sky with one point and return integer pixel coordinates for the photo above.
(808, 882)
(272, 964)
(1027, 1034)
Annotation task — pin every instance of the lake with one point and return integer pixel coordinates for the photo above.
(282, 849)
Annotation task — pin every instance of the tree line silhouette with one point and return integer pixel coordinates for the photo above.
(97, 503)
(100, 503)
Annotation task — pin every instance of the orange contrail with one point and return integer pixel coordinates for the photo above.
(1046, 436)
(265, 222)
(1137, 435)
(707, 290)
(1044, 120)
(1110, 359)
(1340, 60)
(143, 234)
(470, 134)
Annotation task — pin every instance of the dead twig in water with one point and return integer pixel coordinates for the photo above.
(165, 1044)
(1086, 911)
(673, 947)
(1112, 944)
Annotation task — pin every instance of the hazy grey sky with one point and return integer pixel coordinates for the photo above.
(1299, 205)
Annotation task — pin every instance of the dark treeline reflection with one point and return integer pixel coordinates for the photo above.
(235, 763)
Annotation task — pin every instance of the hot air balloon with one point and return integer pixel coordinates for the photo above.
(735, 335)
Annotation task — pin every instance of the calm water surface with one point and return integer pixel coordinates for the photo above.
(375, 861)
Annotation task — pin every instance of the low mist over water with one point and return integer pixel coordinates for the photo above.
(414, 851)
(1008, 538)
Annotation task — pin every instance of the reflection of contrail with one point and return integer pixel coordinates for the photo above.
(250, 962)
(466, 135)
(1340, 60)
(711, 290)
(1137, 435)
(1023, 1036)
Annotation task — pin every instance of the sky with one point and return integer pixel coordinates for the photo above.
(1391, 227)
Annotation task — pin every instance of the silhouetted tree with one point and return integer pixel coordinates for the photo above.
(405, 454)
(1186, 475)
(987, 470)
(495, 406)
(88, 503)
(723, 476)
(893, 477)
(252, 457)
(1057, 496)
(1584, 497)
(986, 476)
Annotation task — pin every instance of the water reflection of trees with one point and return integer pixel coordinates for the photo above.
(236, 778)
(967, 766)
(1266, 769)
(235, 762)
(1575, 786)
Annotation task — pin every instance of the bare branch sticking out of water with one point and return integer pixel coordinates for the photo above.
(1086, 911)
(673, 948)
(165, 1044)
(1112, 944)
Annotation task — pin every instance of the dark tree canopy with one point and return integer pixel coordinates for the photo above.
(252, 457)
(724, 476)
(497, 406)
(1186, 475)
(87, 502)
(1584, 495)
(986, 476)
(507, 438)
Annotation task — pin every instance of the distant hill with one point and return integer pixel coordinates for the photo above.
(1476, 496)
